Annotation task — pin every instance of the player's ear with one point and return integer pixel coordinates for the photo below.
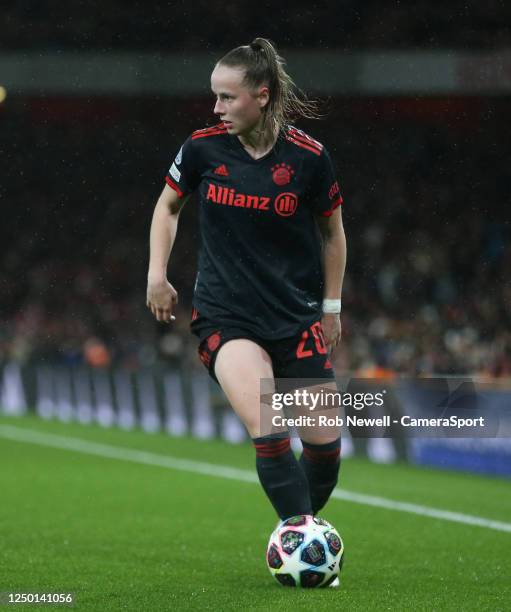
(263, 96)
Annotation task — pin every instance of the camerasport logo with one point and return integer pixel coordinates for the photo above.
(282, 174)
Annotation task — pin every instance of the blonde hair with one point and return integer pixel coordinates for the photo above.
(264, 66)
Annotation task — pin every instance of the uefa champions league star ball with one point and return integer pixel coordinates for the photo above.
(305, 551)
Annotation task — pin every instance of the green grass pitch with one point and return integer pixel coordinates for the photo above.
(123, 535)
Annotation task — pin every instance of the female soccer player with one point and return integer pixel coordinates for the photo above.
(267, 297)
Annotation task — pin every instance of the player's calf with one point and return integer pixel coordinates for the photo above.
(281, 476)
(321, 464)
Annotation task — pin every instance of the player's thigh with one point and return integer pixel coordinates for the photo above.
(303, 364)
(239, 367)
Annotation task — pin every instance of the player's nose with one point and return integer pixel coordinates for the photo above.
(218, 110)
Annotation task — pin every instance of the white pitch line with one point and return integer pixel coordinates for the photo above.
(20, 434)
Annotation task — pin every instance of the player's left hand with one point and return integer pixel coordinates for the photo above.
(332, 329)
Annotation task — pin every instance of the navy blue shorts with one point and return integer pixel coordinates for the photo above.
(302, 356)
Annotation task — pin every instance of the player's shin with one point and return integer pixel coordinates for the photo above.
(321, 463)
(281, 476)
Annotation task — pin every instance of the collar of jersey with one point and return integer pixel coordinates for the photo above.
(247, 154)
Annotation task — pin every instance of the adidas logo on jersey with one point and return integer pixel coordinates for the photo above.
(222, 170)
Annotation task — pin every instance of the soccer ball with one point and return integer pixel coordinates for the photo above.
(305, 551)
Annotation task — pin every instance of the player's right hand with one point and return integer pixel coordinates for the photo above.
(161, 299)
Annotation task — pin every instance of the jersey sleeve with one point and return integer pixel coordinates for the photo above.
(183, 175)
(326, 194)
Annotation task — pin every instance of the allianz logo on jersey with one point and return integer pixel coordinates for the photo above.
(285, 204)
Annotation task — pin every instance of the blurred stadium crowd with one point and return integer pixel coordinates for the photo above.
(427, 288)
(51, 25)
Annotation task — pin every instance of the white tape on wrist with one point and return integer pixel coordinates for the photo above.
(331, 306)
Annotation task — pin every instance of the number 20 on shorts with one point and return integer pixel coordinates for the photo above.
(319, 341)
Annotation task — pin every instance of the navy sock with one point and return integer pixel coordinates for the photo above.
(281, 476)
(321, 463)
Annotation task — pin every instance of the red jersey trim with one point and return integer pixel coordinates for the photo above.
(209, 131)
(215, 133)
(299, 135)
(336, 204)
(218, 126)
(175, 187)
(306, 142)
(304, 145)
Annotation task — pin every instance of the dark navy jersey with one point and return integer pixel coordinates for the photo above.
(260, 256)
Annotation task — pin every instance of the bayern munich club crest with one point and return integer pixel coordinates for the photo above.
(282, 174)
(286, 204)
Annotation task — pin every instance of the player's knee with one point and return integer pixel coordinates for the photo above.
(240, 365)
(315, 439)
